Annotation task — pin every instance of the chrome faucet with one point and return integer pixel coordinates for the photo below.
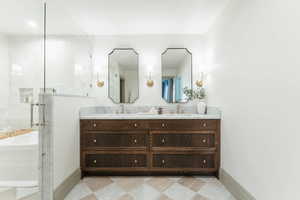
(122, 108)
(178, 108)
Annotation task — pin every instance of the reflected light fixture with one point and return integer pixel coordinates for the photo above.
(99, 83)
(150, 82)
(199, 83)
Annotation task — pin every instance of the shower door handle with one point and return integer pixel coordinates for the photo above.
(32, 123)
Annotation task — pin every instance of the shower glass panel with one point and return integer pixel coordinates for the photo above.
(21, 81)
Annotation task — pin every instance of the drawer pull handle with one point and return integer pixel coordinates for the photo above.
(204, 124)
(94, 125)
(204, 140)
(135, 161)
(163, 125)
(135, 141)
(95, 161)
(163, 161)
(135, 125)
(95, 141)
(163, 141)
(204, 161)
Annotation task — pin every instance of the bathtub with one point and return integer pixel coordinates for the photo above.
(19, 161)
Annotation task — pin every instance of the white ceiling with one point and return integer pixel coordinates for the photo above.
(111, 17)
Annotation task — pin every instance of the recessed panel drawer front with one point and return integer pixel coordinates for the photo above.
(183, 124)
(183, 161)
(115, 160)
(117, 125)
(183, 140)
(103, 139)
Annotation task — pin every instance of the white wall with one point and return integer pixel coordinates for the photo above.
(70, 69)
(4, 80)
(254, 65)
(65, 130)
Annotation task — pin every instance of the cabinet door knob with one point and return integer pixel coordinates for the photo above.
(95, 161)
(94, 125)
(204, 140)
(163, 140)
(163, 125)
(204, 161)
(95, 141)
(163, 161)
(135, 141)
(135, 161)
(135, 125)
(204, 124)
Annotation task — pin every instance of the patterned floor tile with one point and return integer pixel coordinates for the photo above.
(129, 184)
(90, 197)
(192, 183)
(96, 183)
(163, 197)
(149, 188)
(160, 183)
(179, 192)
(145, 192)
(126, 197)
(110, 192)
(80, 191)
(200, 197)
(214, 191)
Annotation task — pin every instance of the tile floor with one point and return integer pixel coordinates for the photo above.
(149, 188)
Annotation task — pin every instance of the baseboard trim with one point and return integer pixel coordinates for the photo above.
(65, 187)
(238, 191)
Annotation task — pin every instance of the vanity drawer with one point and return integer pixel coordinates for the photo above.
(186, 160)
(115, 160)
(114, 139)
(186, 140)
(117, 125)
(183, 124)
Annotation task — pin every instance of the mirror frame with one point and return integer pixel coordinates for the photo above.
(177, 48)
(138, 73)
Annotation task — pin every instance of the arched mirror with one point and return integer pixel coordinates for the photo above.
(176, 74)
(123, 82)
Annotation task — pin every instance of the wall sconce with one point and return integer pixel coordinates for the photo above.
(99, 83)
(200, 83)
(150, 82)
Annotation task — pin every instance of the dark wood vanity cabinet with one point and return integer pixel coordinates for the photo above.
(189, 146)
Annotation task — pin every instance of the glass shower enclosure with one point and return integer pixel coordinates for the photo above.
(21, 83)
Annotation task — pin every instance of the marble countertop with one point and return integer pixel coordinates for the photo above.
(103, 113)
(150, 116)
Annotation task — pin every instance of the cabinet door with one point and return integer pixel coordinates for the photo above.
(114, 160)
(184, 140)
(115, 139)
(186, 161)
(108, 125)
(183, 124)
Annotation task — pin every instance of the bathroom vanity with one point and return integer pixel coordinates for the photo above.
(150, 144)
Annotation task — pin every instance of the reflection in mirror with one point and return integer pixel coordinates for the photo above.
(176, 74)
(123, 86)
